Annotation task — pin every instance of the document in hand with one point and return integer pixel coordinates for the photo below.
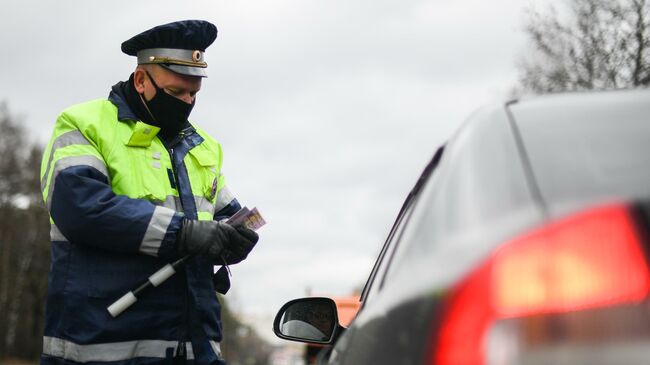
(251, 219)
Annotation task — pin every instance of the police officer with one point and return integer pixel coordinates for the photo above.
(132, 185)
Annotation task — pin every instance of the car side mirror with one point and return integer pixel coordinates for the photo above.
(313, 320)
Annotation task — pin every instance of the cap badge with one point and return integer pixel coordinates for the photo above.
(196, 56)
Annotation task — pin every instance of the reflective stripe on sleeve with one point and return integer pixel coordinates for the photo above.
(64, 163)
(156, 230)
(203, 205)
(64, 140)
(171, 202)
(114, 351)
(224, 197)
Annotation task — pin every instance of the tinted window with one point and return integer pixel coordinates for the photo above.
(370, 289)
(588, 147)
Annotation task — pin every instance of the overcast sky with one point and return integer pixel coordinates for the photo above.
(327, 110)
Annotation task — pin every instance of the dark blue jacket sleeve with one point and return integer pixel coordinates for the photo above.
(227, 211)
(87, 211)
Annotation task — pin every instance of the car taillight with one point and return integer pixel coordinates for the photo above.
(588, 261)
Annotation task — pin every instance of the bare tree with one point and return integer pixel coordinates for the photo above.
(24, 248)
(12, 150)
(593, 45)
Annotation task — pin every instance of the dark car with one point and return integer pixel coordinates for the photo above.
(524, 241)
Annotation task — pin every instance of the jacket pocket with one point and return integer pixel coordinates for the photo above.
(149, 173)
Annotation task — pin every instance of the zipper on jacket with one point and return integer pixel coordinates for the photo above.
(170, 149)
(174, 177)
(180, 356)
(181, 351)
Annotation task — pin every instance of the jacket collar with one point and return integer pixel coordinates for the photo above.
(117, 97)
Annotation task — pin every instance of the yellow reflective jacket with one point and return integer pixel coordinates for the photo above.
(117, 196)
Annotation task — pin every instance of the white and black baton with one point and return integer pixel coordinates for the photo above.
(154, 280)
(243, 216)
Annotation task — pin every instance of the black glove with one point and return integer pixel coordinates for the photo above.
(204, 238)
(238, 249)
(213, 240)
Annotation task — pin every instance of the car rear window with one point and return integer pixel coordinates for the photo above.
(586, 148)
(477, 197)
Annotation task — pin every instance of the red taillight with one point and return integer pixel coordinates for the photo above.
(589, 260)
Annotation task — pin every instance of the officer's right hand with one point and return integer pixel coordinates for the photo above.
(207, 238)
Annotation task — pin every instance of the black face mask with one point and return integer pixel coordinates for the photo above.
(169, 113)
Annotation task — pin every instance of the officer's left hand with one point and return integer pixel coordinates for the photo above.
(238, 249)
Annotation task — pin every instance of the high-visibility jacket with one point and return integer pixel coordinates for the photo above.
(117, 196)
